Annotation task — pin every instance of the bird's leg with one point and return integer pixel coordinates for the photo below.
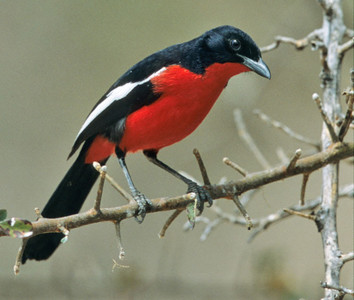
(139, 197)
(202, 194)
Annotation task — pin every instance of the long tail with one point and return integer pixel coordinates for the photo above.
(67, 199)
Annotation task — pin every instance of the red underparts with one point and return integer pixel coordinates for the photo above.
(186, 98)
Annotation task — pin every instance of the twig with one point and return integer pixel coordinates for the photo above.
(209, 228)
(285, 129)
(19, 256)
(345, 47)
(263, 223)
(169, 221)
(293, 160)
(349, 114)
(242, 131)
(243, 211)
(305, 179)
(117, 265)
(235, 166)
(341, 289)
(347, 257)
(325, 118)
(299, 44)
(103, 173)
(296, 213)
(119, 241)
(114, 184)
(38, 212)
(202, 168)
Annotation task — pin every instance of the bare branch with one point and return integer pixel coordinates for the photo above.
(325, 118)
(298, 44)
(243, 133)
(235, 166)
(121, 254)
(19, 256)
(345, 47)
(263, 223)
(349, 93)
(114, 184)
(202, 168)
(305, 179)
(347, 257)
(296, 213)
(341, 289)
(309, 164)
(169, 221)
(285, 129)
(293, 160)
(243, 211)
(103, 173)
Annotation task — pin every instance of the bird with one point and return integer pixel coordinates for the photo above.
(156, 103)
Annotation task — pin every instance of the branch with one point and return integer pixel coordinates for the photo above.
(286, 129)
(341, 289)
(347, 257)
(326, 120)
(345, 47)
(298, 44)
(264, 223)
(242, 131)
(309, 164)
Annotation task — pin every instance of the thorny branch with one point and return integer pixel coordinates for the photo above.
(263, 223)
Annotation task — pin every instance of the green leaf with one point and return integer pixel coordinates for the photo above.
(16, 227)
(191, 213)
(3, 214)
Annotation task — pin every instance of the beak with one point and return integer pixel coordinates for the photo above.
(258, 67)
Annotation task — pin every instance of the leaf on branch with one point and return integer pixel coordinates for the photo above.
(3, 214)
(191, 213)
(16, 227)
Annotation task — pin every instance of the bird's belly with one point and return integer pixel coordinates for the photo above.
(186, 98)
(163, 123)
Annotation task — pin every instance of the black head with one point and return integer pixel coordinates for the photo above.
(229, 44)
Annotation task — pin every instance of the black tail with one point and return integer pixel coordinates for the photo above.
(67, 199)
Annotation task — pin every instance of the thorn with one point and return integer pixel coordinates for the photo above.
(38, 213)
(169, 222)
(305, 178)
(202, 168)
(119, 241)
(296, 213)
(243, 211)
(294, 159)
(235, 166)
(317, 99)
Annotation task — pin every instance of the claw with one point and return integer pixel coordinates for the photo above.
(202, 195)
(143, 204)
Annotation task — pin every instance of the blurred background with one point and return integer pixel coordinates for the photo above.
(57, 59)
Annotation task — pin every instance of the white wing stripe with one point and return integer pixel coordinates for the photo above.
(117, 94)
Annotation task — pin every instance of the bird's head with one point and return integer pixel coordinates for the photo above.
(229, 44)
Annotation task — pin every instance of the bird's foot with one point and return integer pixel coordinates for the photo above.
(202, 196)
(143, 204)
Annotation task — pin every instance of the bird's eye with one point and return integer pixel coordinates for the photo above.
(235, 44)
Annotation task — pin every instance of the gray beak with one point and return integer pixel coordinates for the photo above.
(258, 67)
